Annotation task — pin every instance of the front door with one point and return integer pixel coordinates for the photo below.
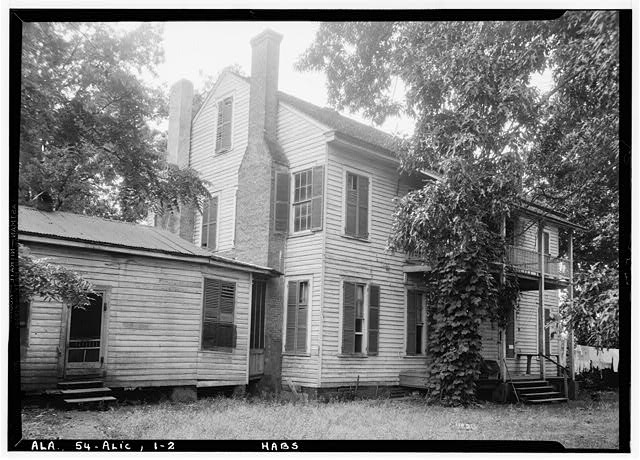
(84, 340)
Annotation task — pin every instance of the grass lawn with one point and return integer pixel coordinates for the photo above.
(579, 424)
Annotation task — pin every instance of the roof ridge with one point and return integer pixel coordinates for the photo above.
(330, 112)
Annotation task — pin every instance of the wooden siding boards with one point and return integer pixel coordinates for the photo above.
(221, 170)
(154, 317)
(304, 145)
(363, 261)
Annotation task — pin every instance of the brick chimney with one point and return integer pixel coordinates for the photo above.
(181, 221)
(257, 240)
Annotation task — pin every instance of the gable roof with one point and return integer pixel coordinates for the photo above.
(111, 233)
(337, 122)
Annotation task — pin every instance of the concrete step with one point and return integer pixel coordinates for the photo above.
(96, 399)
(72, 384)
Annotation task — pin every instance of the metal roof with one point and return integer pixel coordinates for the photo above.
(113, 233)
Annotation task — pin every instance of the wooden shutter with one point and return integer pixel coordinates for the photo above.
(351, 206)
(223, 129)
(547, 332)
(292, 304)
(363, 206)
(218, 329)
(317, 198)
(208, 237)
(411, 322)
(282, 202)
(374, 319)
(301, 331)
(210, 312)
(511, 335)
(348, 317)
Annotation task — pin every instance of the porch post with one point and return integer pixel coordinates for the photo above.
(572, 369)
(541, 299)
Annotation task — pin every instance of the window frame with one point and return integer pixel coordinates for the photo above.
(227, 349)
(424, 311)
(308, 200)
(298, 279)
(345, 186)
(366, 310)
(224, 97)
(215, 195)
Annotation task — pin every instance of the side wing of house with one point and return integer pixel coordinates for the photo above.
(218, 142)
(524, 339)
(153, 327)
(367, 334)
(302, 140)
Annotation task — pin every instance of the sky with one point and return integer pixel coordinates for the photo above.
(195, 50)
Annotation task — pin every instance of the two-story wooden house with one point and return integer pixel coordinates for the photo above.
(309, 193)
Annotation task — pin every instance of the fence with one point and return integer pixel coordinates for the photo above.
(588, 358)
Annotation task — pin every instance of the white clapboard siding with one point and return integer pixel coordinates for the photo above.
(304, 145)
(221, 170)
(154, 320)
(349, 258)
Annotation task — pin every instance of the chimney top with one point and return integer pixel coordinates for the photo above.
(266, 34)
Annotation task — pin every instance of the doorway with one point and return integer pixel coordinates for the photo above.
(83, 352)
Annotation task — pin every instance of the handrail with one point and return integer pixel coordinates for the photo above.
(554, 362)
(560, 366)
(506, 368)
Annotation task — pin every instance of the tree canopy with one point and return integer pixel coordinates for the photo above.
(493, 137)
(86, 129)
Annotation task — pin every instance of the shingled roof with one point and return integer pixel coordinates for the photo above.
(112, 233)
(337, 122)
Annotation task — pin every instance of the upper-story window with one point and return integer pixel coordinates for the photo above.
(209, 231)
(307, 200)
(302, 188)
(357, 206)
(223, 127)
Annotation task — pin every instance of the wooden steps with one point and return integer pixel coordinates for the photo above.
(536, 392)
(84, 392)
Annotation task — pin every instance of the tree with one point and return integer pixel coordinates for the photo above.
(50, 281)
(85, 135)
(480, 123)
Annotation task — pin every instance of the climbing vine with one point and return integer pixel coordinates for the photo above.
(455, 223)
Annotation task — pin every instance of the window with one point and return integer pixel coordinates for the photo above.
(357, 336)
(357, 206)
(297, 313)
(307, 199)
(218, 330)
(209, 224)
(416, 337)
(223, 128)
(302, 185)
(25, 308)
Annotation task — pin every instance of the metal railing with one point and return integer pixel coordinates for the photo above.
(526, 260)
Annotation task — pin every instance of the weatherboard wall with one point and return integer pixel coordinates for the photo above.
(153, 322)
(305, 147)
